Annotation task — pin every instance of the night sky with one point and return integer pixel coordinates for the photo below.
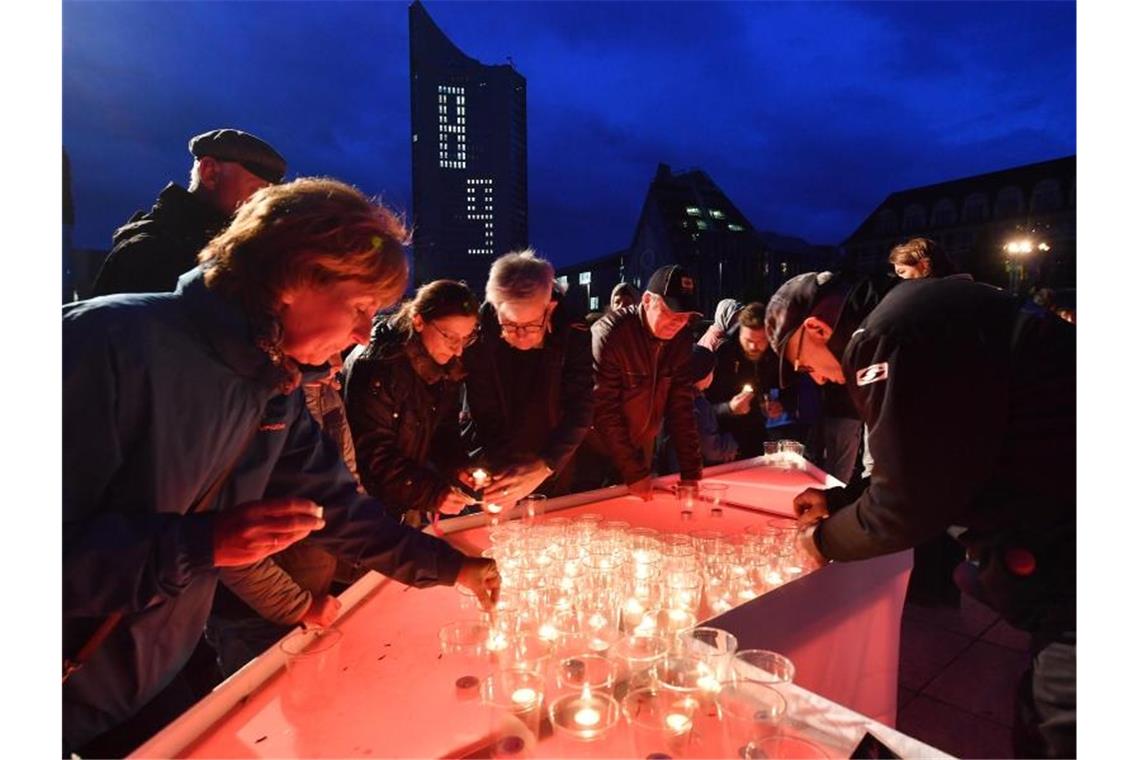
(807, 115)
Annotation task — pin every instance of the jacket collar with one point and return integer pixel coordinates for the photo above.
(232, 335)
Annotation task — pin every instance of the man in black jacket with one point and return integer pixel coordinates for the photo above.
(152, 249)
(745, 372)
(970, 403)
(641, 368)
(530, 381)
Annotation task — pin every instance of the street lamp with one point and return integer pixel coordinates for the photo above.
(1017, 252)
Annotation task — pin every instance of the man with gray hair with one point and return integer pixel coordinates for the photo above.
(530, 381)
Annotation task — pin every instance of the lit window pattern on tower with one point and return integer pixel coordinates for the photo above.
(452, 127)
(481, 208)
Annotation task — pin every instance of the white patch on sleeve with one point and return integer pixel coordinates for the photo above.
(871, 374)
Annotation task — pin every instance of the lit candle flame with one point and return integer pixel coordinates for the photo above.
(480, 477)
(747, 388)
(678, 722)
(524, 697)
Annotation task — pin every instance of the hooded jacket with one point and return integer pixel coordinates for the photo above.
(403, 410)
(161, 394)
(639, 382)
(152, 250)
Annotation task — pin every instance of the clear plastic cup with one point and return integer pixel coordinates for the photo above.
(532, 508)
(763, 666)
(312, 659)
(752, 712)
(514, 697)
(712, 646)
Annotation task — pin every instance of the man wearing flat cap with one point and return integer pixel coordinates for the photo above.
(152, 249)
(970, 405)
(641, 378)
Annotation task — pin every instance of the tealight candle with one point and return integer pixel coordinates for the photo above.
(496, 642)
(524, 697)
(587, 717)
(678, 723)
(597, 621)
(547, 632)
(494, 508)
(708, 682)
(480, 477)
(747, 388)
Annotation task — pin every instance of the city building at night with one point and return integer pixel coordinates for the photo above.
(469, 158)
(1016, 227)
(688, 220)
(588, 284)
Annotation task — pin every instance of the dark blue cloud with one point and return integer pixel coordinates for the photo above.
(807, 114)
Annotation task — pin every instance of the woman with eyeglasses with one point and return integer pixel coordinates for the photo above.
(403, 393)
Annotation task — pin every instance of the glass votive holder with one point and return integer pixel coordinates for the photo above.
(312, 659)
(762, 666)
(515, 698)
(463, 649)
(532, 508)
(788, 746)
(661, 722)
(752, 712)
(525, 650)
(772, 452)
(791, 454)
(713, 646)
(713, 494)
(687, 675)
(687, 496)
(584, 715)
(579, 670)
(666, 622)
(684, 591)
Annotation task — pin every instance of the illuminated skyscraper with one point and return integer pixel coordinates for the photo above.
(469, 191)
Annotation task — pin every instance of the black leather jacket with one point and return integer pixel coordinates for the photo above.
(638, 382)
(403, 410)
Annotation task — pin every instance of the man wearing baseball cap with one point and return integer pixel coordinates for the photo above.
(641, 378)
(152, 249)
(970, 404)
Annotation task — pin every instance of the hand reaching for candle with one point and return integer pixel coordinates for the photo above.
(322, 611)
(517, 481)
(642, 488)
(805, 539)
(810, 506)
(453, 501)
(254, 530)
(741, 403)
(481, 576)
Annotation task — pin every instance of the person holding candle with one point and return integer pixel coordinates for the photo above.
(995, 467)
(717, 446)
(530, 382)
(641, 366)
(746, 372)
(187, 447)
(403, 393)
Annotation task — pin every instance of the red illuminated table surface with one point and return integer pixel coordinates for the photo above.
(395, 696)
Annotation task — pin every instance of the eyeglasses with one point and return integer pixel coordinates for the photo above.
(520, 331)
(455, 341)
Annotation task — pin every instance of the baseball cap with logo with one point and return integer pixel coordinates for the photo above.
(677, 288)
(254, 154)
